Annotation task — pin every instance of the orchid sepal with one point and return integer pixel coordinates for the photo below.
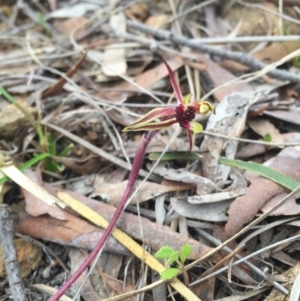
(154, 126)
(186, 100)
(174, 83)
(160, 114)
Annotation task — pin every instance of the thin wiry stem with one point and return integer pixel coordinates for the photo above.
(136, 166)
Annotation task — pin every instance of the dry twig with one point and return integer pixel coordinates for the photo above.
(240, 57)
(10, 255)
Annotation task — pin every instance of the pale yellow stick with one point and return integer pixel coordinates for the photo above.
(127, 241)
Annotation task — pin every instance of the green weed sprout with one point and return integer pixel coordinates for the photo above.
(46, 141)
(172, 258)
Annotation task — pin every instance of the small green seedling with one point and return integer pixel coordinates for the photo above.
(49, 146)
(267, 138)
(290, 48)
(46, 141)
(174, 258)
(43, 24)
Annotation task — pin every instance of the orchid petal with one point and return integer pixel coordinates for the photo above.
(186, 99)
(205, 107)
(196, 127)
(174, 82)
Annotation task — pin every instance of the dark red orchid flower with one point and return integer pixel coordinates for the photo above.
(184, 113)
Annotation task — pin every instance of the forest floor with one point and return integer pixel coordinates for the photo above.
(74, 74)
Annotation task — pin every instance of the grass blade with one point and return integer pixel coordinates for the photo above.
(260, 169)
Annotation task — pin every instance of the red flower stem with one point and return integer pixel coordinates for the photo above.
(136, 166)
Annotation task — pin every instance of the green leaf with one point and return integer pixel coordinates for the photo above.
(66, 150)
(262, 170)
(185, 252)
(43, 24)
(51, 144)
(169, 273)
(267, 138)
(37, 158)
(168, 156)
(50, 165)
(40, 133)
(173, 258)
(164, 252)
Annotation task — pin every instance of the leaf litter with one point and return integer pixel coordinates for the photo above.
(94, 94)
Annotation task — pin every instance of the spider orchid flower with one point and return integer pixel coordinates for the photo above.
(184, 113)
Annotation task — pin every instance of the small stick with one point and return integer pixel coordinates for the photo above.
(10, 255)
(240, 57)
(246, 262)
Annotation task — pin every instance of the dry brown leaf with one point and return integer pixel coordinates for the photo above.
(63, 228)
(114, 60)
(87, 291)
(290, 207)
(261, 190)
(241, 271)
(205, 290)
(260, 21)
(229, 120)
(112, 192)
(233, 66)
(213, 212)
(115, 287)
(29, 257)
(109, 264)
(290, 93)
(157, 21)
(60, 83)
(291, 115)
(12, 119)
(138, 10)
(254, 149)
(86, 166)
(291, 275)
(145, 80)
(276, 51)
(219, 76)
(244, 208)
(34, 206)
(263, 127)
(285, 258)
(75, 231)
(67, 26)
(71, 232)
(154, 235)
